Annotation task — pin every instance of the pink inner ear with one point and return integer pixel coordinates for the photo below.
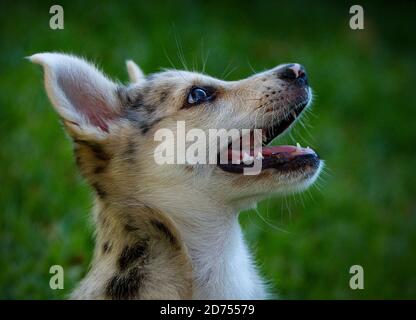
(89, 102)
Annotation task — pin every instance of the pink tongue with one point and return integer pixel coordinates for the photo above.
(268, 151)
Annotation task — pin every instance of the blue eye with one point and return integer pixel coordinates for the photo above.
(197, 95)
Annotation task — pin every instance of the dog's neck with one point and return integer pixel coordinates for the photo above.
(223, 267)
(221, 264)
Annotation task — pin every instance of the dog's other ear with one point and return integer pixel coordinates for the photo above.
(84, 97)
(135, 73)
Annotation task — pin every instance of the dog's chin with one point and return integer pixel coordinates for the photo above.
(279, 184)
(302, 179)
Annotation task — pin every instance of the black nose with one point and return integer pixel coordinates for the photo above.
(293, 71)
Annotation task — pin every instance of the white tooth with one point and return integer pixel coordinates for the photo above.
(259, 156)
(298, 145)
(294, 114)
(247, 159)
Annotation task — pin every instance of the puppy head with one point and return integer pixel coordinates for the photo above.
(116, 131)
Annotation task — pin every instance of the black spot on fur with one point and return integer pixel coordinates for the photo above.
(99, 169)
(106, 247)
(125, 286)
(145, 127)
(163, 95)
(99, 152)
(132, 254)
(123, 95)
(130, 228)
(141, 118)
(165, 232)
(100, 191)
(130, 151)
(149, 108)
(129, 224)
(140, 104)
(96, 149)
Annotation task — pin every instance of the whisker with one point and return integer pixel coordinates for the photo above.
(268, 223)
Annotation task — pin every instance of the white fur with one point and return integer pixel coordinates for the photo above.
(135, 73)
(223, 267)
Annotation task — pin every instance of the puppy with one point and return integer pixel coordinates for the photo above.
(166, 231)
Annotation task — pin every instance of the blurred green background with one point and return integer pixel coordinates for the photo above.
(363, 210)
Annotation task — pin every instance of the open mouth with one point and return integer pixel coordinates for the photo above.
(282, 158)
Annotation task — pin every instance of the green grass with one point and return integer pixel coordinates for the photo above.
(363, 126)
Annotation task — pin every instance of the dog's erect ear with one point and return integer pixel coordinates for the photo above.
(135, 73)
(83, 96)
